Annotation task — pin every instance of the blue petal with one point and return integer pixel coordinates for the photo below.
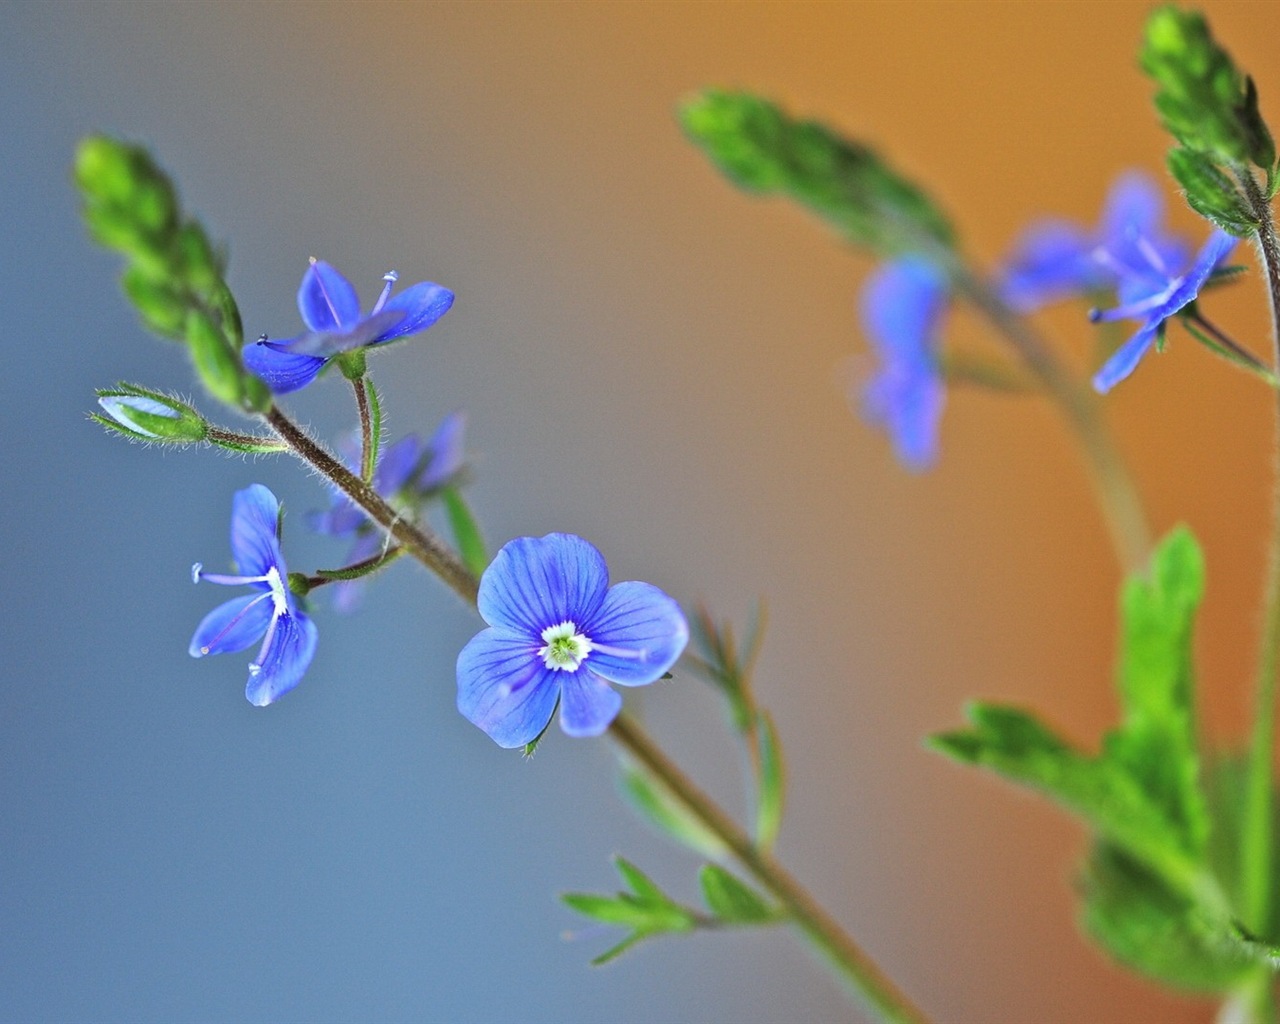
(447, 452)
(326, 344)
(327, 300)
(397, 464)
(504, 687)
(587, 704)
(341, 519)
(1126, 358)
(282, 371)
(421, 305)
(902, 302)
(1052, 260)
(641, 619)
(1134, 208)
(285, 660)
(232, 626)
(908, 405)
(1213, 252)
(537, 582)
(254, 520)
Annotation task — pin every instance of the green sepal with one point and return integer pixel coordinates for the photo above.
(162, 308)
(646, 910)
(299, 584)
(651, 801)
(466, 531)
(1203, 100)
(732, 900)
(762, 149)
(1152, 929)
(127, 413)
(530, 748)
(1211, 193)
(352, 364)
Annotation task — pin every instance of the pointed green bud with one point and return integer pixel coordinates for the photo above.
(162, 308)
(1203, 100)
(150, 415)
(762, 149)
(215, 360)
(130, 203)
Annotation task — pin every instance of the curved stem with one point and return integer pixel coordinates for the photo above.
(853, 965)
(423, 544)
(1116, 491)
(1257, 831)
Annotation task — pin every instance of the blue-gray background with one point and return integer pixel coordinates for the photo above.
(649, 360)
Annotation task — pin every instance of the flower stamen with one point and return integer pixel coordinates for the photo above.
(564, 648)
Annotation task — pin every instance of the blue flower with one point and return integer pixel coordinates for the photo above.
(1055, 259)
(558, 633)
(288, 635)
(331, 310)
(408, 473)
(1151, 292)
(902, 303)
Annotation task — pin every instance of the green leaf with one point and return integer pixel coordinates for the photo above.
(1148, 927)
(772, 785)
(1203, 100)
(762, 149)
(646, 910)
(641, 884)
(732, 900)
(466, 532)
(651, 801)
(1211, 193)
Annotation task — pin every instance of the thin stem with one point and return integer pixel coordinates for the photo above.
(421, 542)
(356, 570)
(1257, 831)
(854, 966)
(366, 429)
(1117, 493)
(1225, 345)
(252, 442)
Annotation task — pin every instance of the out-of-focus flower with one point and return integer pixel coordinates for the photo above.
(559, 634)
(269, 612)
(330, 309)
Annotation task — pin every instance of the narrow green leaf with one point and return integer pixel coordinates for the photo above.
(732, 900)
(651, 801)
(771, 793)
(619, 910)
(616, 951)
(638, 882)
(466, 532)
(762, 149)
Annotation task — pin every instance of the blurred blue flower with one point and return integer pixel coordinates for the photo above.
(330, 309)
(1055, 259)
(558, 633)
(288, 635)
(408, 473)
(902, 304)
(1152, 292)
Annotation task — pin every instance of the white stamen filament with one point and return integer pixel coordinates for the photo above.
(391, 277)
(206, 648)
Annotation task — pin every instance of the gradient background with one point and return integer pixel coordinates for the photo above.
(649, 359)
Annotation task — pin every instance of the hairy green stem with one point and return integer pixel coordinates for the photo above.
(1117, 494)
(1257, 831)
(218, 435)
(848, 959)
(366, 429)
(853, 965)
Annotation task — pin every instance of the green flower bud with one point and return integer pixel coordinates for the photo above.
(150, 416)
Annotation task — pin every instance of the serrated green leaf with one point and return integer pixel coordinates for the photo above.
(652, 802)
(1211, 193)
(1144, 924)
(732, 900)
(466, 532)
(1203, 100)
(762, 149)
(771, 793)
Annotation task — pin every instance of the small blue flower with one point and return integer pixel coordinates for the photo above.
(408, 473)
(558, 633)
(902, 304)
(1055, 259)
(1151, 292)
(331, 310)
(288, 635)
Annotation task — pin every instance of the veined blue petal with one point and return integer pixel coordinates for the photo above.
(505, 688)
(254, 543)
(1052, 260)
(902, 302)
(639, 620)
(397, 464)
(284, 661)
(537, 582)
(326, 344)
(421, 305)
(587, 703)
(1214, 251)
(327, 300)
(233, 625)
(1126, 357)
(448, 453)
(281, 370)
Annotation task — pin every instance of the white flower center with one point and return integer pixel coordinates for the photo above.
(278, 596)
(564, 647)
